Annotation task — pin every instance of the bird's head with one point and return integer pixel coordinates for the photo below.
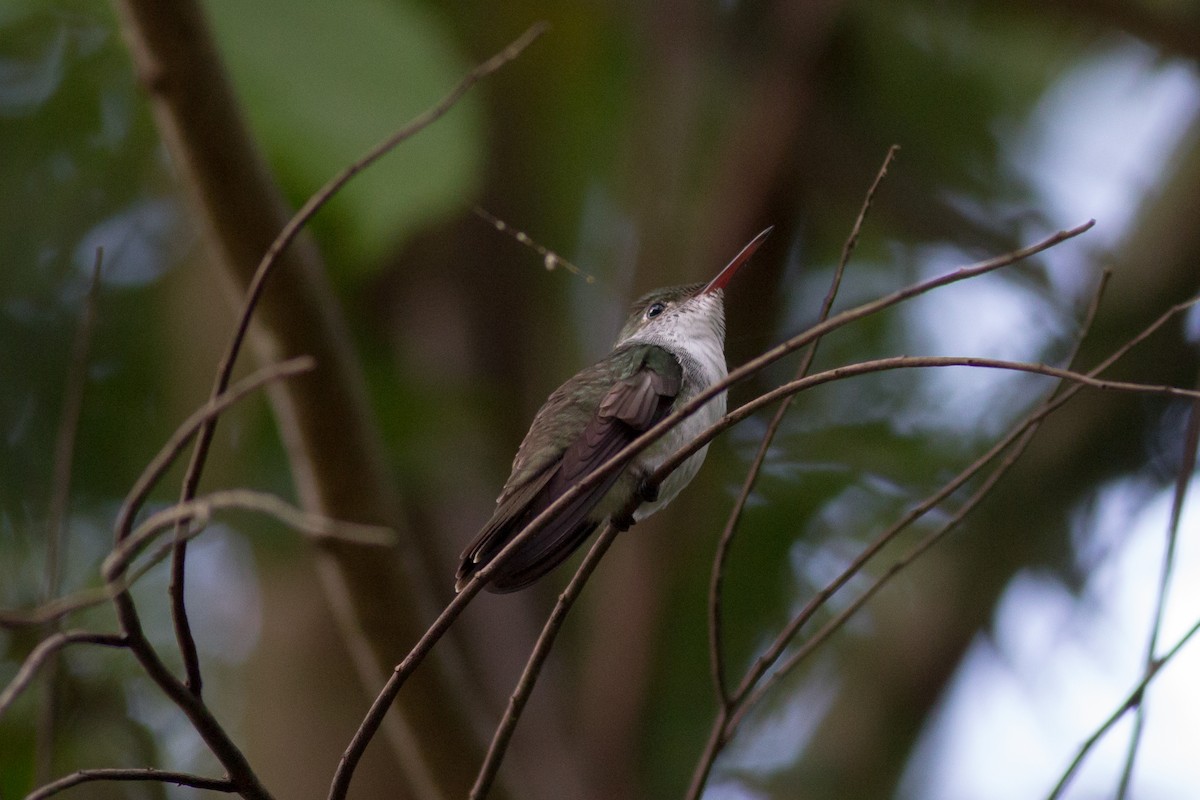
(681, 314)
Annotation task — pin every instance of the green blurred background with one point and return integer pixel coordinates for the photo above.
(645, 143)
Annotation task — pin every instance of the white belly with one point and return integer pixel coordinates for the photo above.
(712, 368)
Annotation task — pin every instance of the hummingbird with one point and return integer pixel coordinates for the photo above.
(671, 348)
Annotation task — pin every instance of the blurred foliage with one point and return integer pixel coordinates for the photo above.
(323, 83)
(631, 139)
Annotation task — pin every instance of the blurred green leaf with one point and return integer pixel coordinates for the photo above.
(322, 83)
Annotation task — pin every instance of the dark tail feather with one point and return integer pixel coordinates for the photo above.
(547, 548)
(521, 570)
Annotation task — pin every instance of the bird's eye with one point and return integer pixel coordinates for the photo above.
(654, 310)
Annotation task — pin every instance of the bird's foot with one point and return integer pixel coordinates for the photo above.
(647, 491)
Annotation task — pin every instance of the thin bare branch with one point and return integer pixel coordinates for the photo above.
(1183, 479)
(44, 651)
(68, 428)
(903, 362)
(716, 578)
(56, 609)
(202, 508)
(537, 658)
(1132, 700)
(200, 511)
(170, 451)
(60, 607)
(387, 695)
(242, 777)
(315, 525)
(254, 293)
(383, 701)
(752, 693)
(149, 774)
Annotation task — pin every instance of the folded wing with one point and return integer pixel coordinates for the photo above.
(644, 382)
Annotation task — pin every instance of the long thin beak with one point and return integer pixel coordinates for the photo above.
(741, 258)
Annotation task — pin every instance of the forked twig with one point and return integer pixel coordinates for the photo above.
(166, 456)
(1132, 700)
(1183, 479)
(241, 777)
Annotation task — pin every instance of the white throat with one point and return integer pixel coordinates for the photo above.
(693, 332)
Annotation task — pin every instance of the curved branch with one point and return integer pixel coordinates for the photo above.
(153, 472)
(148, 774)
(166, 455)
(47, 648)
(202, 508)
